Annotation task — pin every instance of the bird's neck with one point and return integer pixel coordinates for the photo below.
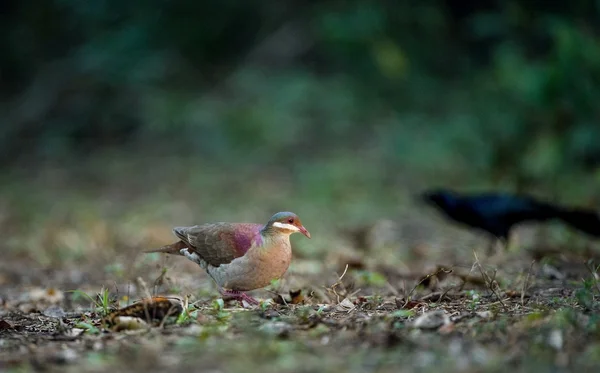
(271, 238)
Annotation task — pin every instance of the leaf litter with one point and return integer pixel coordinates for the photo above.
(472, 317)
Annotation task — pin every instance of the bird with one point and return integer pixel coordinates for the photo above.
(498, 213)
(239, 257)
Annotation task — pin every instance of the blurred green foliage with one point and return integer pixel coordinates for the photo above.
(504, 90)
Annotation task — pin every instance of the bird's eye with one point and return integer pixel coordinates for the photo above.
(291, 221)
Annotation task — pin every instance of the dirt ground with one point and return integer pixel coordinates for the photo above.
(405, 292)
(537, 315)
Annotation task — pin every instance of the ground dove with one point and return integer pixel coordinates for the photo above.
(239, 257)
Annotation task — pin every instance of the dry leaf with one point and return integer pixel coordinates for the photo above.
(296, 297)
(155, 308)
(345, 305)
(5, 325)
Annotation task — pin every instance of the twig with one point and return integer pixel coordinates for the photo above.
(593, 273)
(276, 294)
(488, 280)
(392, 288)
(159, 280)
(144, 288)
(440, 270)
(343, 274)
(444, 294)
(354, 293)
(526, 283)
(185, 305)
(439, 294)
(337, 283)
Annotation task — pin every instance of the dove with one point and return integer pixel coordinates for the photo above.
(239, 257)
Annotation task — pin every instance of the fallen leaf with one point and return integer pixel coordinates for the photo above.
(513, 293)
(150, 309)
(74, 332)
(296, 297)
(5, 325)
(345, 305)
(402, 304)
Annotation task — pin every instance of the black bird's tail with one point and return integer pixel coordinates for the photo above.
(586, 221)
(535, 210)
(583, 220)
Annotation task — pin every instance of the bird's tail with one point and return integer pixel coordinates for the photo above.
(587, 221)
(173, 248)
(541, 211)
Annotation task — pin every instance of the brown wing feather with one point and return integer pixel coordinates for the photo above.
(219, 243)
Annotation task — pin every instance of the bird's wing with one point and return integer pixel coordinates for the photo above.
(219, 243)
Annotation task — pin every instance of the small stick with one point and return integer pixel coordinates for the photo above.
(444, 294)
(392, 288)
(488, 281)
(440, 270)
(593, 273)
(343, 274)
(144, 288)
(439, 294)
(185, 306)
(337, 283)
(526, 284)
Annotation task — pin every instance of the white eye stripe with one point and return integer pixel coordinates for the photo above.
(286, 226)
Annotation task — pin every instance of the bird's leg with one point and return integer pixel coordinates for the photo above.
(241, 296)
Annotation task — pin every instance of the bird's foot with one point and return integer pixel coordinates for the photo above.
(241, 296)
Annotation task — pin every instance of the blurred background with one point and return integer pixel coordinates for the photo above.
(123, 119)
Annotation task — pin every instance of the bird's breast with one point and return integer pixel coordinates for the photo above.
(256, 269)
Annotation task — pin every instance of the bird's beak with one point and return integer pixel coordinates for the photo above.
(304, 231)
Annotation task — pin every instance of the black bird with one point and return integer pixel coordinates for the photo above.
(497, 213)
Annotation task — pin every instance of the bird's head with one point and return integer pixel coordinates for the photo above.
(286, 223)
(440, 198)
